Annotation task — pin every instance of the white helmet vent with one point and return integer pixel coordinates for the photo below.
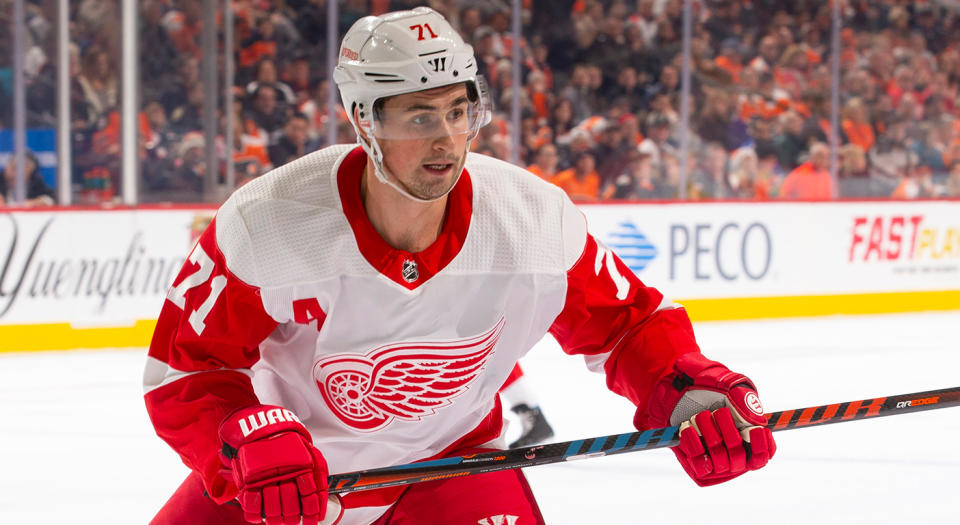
(383, 77)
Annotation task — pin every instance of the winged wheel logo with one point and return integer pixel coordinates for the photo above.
(405, 381)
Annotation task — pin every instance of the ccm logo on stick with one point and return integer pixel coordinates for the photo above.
(918, 402)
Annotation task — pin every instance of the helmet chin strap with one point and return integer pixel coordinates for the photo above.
(380, 171)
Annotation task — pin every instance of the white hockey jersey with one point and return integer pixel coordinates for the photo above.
(291, 298)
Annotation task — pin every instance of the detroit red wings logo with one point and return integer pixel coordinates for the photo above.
(405, 381)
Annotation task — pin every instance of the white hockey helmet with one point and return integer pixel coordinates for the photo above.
(405, 52)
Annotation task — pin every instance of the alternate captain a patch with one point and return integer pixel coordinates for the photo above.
(406, 381)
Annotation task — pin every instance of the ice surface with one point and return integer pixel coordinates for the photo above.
(76, 445)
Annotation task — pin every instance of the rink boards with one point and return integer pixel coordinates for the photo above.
(97, 278)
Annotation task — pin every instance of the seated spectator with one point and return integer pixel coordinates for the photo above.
(298, 76)
(545, 162)
(189, 116)
(190, 165)
(470, 20)
(816, 127)
(768, 55)
(713, 123)
(854, 178)
(158, 144)
(789, 142)
(183, 24)
(638, 180)
(539, 94)
(628, 86)
(645, 20)
(810, 180)
(667, 84)
(857, 84)
(856, 124)
(767, 183)
(265, 74)
(98, 82)
(573, 144)
(656, 143)
(561, 118)
(612, 148)
(890, 159)
(730, 58)
(744, 178)
(921, 141)
(158, 60)
(630, 127)
(266, 113)
(581, 182)
(250, 157)
(293, 143)
(582, 92)
(260, 44)
(709, 181)
(37, 191)
(174, 94)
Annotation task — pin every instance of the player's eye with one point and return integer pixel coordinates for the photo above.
(424, 120)
(456, 114)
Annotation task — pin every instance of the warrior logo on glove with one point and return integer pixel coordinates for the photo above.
(753, 403)
(263, 418)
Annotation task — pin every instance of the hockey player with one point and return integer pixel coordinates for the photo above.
(360, 307)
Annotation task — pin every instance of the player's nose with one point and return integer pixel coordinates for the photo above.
(444, 142)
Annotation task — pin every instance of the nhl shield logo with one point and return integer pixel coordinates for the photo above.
(409, 271)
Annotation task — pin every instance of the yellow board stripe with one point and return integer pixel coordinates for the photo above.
(729, 309)
(62, 336)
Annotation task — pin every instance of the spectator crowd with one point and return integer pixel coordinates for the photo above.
(600, 94)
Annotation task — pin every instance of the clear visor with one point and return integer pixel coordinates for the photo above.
(422, 121)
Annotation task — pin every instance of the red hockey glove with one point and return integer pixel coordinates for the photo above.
(722, 433)
(282, 478)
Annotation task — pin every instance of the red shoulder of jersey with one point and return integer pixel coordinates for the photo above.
(621, 326)
(198, 369)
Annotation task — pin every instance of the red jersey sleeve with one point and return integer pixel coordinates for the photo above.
(198, 369)
(621, 326)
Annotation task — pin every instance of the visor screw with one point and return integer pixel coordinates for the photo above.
(423, 80)
(456, 73)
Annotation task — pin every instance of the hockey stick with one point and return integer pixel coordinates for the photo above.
(630, 442)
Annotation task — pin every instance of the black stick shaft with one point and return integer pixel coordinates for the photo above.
(630, 442)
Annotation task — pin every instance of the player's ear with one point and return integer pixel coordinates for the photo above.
(360, 130)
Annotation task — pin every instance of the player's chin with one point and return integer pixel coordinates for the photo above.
(430, 190)
(429, 186)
